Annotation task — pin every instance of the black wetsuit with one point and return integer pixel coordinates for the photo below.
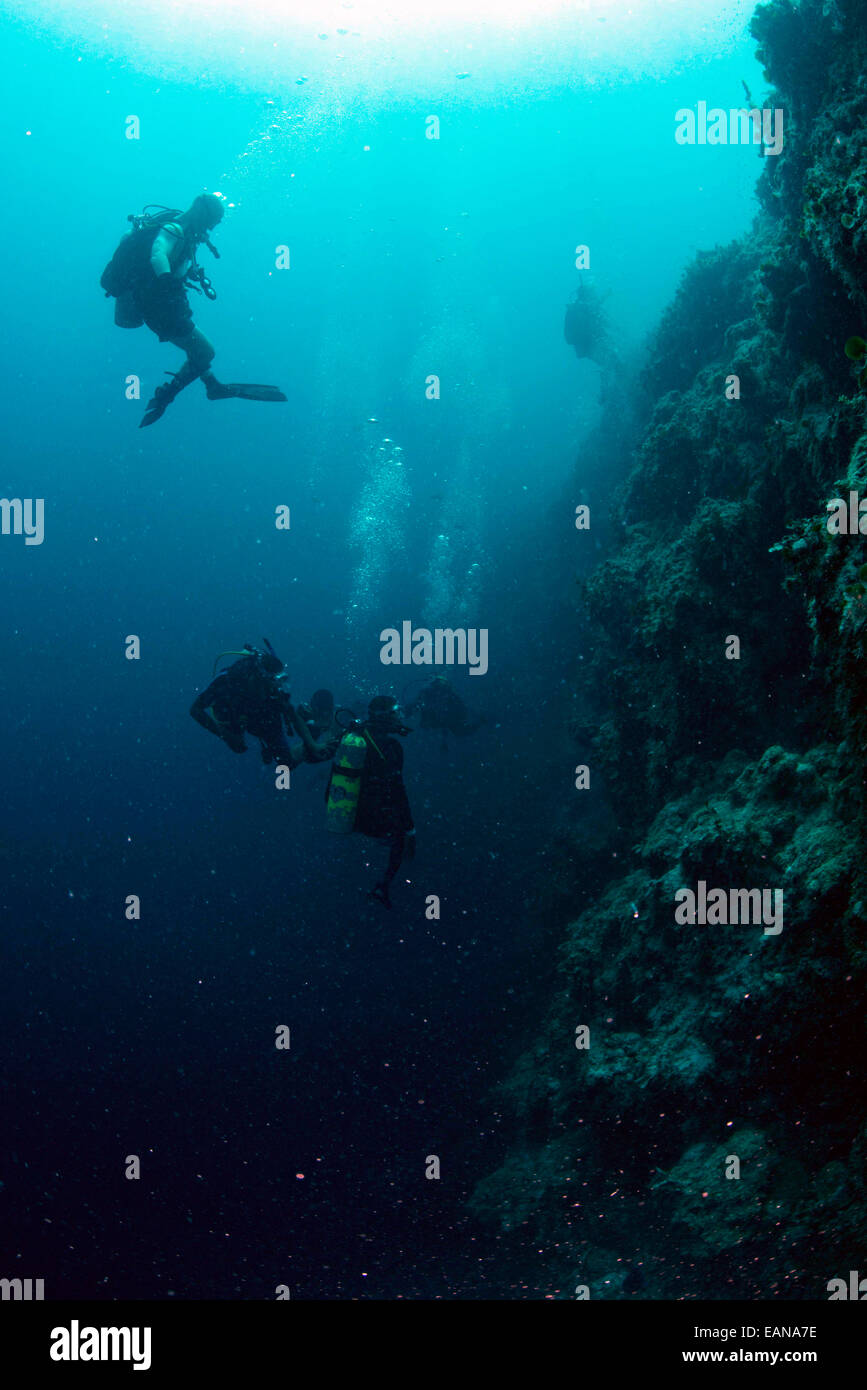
(383, 805)
(248, 699)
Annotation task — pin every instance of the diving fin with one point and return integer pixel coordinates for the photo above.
(243, 390)
(162, 399)
(379, 894)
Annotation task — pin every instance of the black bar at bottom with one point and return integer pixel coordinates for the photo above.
(219, 1339)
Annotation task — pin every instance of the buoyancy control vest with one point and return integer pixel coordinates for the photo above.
(130, 263)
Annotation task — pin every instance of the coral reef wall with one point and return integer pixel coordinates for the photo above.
(737, 764)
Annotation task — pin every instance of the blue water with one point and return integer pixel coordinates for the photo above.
(407, 257)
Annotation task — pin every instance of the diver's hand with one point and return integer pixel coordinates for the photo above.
(235, 742)
(316, 755)
(409, 845)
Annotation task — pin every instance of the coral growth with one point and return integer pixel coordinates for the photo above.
(713, 1042)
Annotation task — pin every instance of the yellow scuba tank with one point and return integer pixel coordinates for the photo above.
(345, 783)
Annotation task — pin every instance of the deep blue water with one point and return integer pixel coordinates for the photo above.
(408, 257)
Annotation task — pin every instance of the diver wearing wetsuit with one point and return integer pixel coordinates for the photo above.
(252, 697)
(383, 805)
(157, 297)
(320, 717)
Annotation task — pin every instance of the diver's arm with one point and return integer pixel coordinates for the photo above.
(201, 711)
(296, 757)
(313, 753)
(329, 743)
(325, 745)
(324, 749)
(165, 244)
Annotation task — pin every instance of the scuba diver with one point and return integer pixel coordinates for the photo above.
(584, 325)
(252, 696)
(325, 726)
(366, 792)
(585, 329)
(439, 706)
(321, 720)
(319, 715)
(149, 274)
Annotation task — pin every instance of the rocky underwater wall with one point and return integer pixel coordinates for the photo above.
(689, 1122)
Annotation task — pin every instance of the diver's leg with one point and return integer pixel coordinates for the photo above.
(275, 745)
(277, 750)
(395, 858)
(200, 355)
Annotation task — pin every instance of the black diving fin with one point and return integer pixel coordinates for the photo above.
(243, 390)
(379, 894)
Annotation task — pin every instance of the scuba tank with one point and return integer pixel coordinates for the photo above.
(129, 261)
(345, 783)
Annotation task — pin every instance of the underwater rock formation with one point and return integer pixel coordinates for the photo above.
(713, 1042)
